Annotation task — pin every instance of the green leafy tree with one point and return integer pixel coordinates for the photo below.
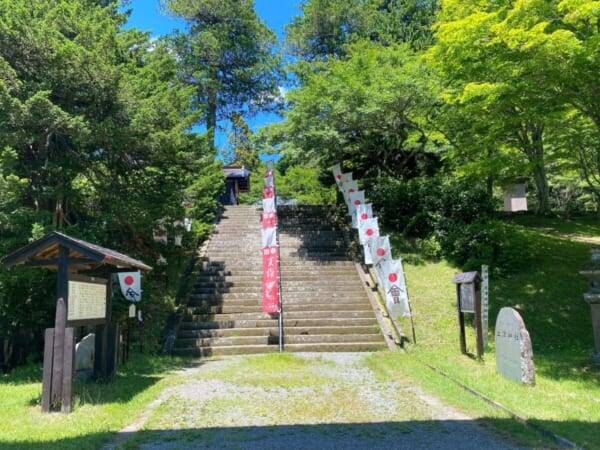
(496, 81)
(519, 69)
(229, 55)
(95, 140)
(304, 184)
(326, 28)
(367, 109)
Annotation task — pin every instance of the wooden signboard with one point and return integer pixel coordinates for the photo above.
(88, 302)
(468, 294)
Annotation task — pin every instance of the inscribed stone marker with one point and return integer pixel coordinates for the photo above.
(514, 355)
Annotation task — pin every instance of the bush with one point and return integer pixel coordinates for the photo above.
(450, 217)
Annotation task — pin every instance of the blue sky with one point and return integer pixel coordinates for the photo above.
(146, 15)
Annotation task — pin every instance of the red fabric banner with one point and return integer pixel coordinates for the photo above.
(268, 192)
(269, 220)
(270, 287)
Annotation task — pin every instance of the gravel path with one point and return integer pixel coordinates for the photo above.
(330, 402)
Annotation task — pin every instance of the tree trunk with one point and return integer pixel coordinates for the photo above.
(211, 118)
(539, 169)
(532, 142)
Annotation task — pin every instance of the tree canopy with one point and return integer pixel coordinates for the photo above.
(229, 55)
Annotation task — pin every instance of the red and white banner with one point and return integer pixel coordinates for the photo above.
(269, 237)
(346, 178)
(270, 287)
(394, 284)
(355, 199)
(269, 220)
(380, 249)
(131, 285)
(337, 174)
(367, 252)
(362, 212)
(367, 229)
(268, 205)
(269, 192)
(349, 187)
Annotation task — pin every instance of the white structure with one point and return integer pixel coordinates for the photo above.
(515, 198)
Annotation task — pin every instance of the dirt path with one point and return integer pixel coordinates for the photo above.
(319, 401)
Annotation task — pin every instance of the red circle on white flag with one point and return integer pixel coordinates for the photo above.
(351, 190)
(357, 202)
(370, 232)
(364, 216)
(393, 277)
(380, 251)
(339, 177)
(128, 280)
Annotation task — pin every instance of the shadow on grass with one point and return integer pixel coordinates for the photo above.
(31, 373)
(586, 226)
(133, 377)
(463, 434)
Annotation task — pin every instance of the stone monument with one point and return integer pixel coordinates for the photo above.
(514, 355)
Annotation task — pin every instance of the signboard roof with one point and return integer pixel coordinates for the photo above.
(466, 277)
(82, 255)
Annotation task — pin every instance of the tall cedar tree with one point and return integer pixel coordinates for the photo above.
(229, 55)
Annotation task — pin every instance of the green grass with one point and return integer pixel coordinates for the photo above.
(100, 409)
(549, 296)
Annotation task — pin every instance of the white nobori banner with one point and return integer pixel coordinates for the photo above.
(394, 284)
(131, 285)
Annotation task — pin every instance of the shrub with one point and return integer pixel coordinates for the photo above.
(450, 217)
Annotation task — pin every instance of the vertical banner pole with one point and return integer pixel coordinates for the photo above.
(485, 303)
(412, 321)
(280, 308)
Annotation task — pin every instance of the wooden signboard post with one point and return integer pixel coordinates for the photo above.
(468, 297)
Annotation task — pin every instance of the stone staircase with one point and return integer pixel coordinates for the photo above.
(325, 306)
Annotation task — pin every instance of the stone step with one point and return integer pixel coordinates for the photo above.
(274, 340)
(289, 276)
(257, 349)
(249, 298)
(289, 316)
(209, 325)
(198, 325)
(256, 307)
(325, 307)
(290, 272)
(274, 331)
(288, 262)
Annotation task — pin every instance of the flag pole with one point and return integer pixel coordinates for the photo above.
(280, 306)
(412, 322)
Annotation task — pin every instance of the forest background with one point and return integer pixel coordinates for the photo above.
(433, 105)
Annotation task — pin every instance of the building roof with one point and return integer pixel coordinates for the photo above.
(236, 172)
(82, 255)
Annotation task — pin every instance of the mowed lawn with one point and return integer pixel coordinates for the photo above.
(548, 293)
